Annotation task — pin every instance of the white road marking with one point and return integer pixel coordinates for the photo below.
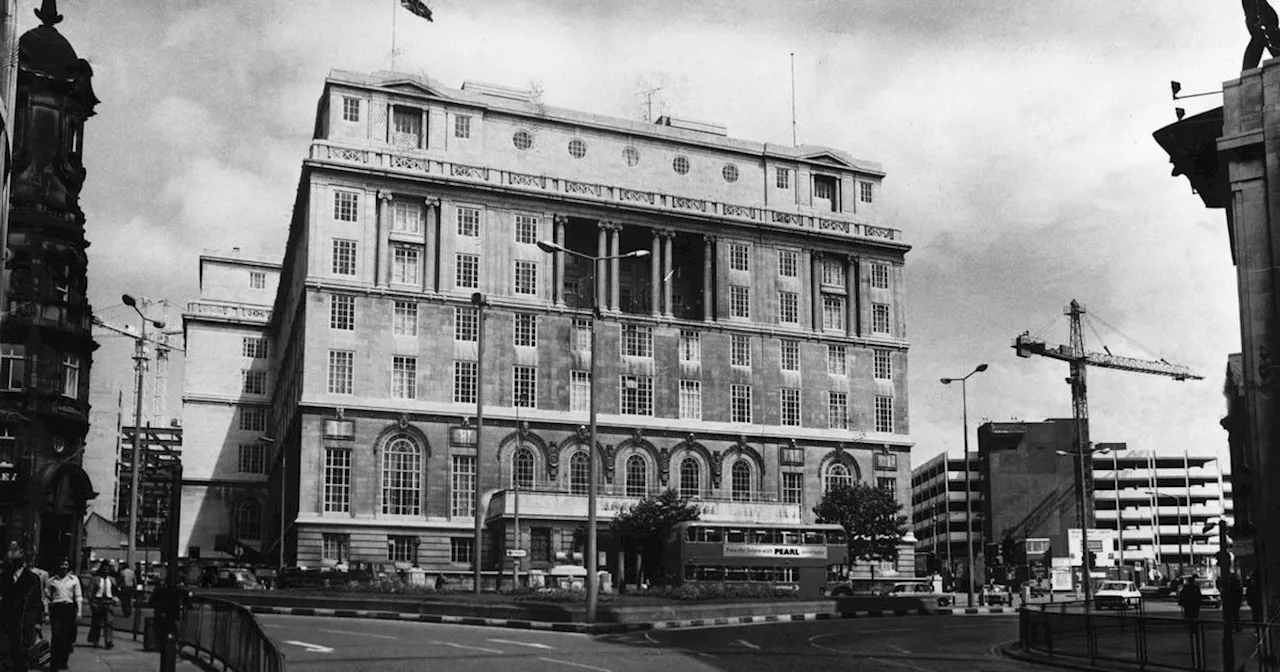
(649, 637)
(897, 648)
(573, 664)
(362, 634)
(311, 648)
(533, 645)
(747, 644)
(471, 648)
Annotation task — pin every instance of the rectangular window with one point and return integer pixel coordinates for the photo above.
(350, 109)
(740, 302)
(466, 324)
(832, 273)
(346, 206)
(740, 403)
(782, 178)
(404, 377)
(526, 329)
(253, 419)
(252, 459)
(253, 347)
(540, 545)
(335, 547)
(579, 391)
(404, 265)
(344, 257)
(883, 364)
(404, 321)
(257, 280)
(690, 400)
(788, 263)
(826, 192)
(341, 371)
(462, 126)
(462, 550)
(790, 398)
(884, 414)
(526, 229)
(524, 386)
(464, 382)
(690, 346)
(467, 271)
(879, 276)
(866, 191)
(833, 313)
(71, 377)
(462, 495)
(253, 381)
(790, 355)
(739, 257)
(406, 217)
(342, 312)
(469, 222)
(740, 350)
(402, 549)
(337, 480)
(880, 318)
(886, 461)
(582, 335)
(637, 340)
(636, 394)
(788, 308)
(888, 484)
(526, 277)
(838, 410)
(836, 363)
(792, 487)
(406, 127)
(792, 456)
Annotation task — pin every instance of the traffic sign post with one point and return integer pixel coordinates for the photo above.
(516, 553)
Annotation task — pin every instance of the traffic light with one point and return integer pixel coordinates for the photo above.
(1093, 559)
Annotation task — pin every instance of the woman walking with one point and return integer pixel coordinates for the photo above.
(65, 600)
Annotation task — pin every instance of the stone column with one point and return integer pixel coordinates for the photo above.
(601, 270)
(615, 286)
(815, 283)
(430, 254)
(851, 299)
(666, 272)
(655, 274)
(557, 287)
(380, 262)
(708, 284)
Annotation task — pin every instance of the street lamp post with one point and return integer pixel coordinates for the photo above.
(481, 303)
(593, 580)
(1177, 502)
(1086, 569)
(140, 364)
(968, 485)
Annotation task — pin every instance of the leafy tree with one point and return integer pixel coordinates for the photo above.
(643, 527)
(871, 517)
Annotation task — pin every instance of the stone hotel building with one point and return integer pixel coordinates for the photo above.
(756, 355)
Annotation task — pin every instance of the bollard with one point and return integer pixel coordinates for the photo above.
(149, 634)
(1026, 595)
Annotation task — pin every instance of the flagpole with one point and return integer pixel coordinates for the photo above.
(393, 35)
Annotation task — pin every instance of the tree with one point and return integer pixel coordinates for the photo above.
(871, 518)
(643, 528)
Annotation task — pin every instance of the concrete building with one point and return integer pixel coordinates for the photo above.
(757, 354)
(938, 497)
(225, 405)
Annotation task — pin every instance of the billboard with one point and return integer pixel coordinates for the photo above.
(1101, 542)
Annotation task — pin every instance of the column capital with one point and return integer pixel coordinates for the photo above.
(384, 195)
(432, 201)
(560, 219)
(816, 254)
(709, 239)
(667, 233)
(609, 225)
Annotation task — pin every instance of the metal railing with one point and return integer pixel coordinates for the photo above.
(1066, 630)
(229, 634)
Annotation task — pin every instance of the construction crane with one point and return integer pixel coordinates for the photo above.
(1026, 345)
(160, 341)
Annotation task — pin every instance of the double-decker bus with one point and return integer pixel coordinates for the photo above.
(793, 557)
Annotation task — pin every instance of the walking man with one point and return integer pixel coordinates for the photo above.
(21, 607)
(65, 599)
(128, 587)
(102, 595)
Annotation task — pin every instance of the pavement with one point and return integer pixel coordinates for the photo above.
(126, 655)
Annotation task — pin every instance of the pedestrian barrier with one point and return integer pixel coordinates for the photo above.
(1133, 637)
(228, 634)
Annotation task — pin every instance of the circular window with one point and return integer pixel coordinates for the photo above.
(631, 155)
(577, 148)
(680, 165)
(730, 172)
(522, 140)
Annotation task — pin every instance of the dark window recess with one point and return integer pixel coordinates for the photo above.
(540, 544)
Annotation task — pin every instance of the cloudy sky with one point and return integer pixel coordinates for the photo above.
(1016, 137)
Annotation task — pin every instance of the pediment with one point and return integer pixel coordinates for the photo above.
(413, 86)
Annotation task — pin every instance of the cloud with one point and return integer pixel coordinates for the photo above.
(184, 124)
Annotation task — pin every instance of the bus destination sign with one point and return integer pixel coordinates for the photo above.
(772, 551)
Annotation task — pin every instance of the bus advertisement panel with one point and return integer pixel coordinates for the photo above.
(788, 557)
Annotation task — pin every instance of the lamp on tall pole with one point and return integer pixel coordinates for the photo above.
(1086, 569)
(593, 581)
(968, 482)
(481, 303)
(140, 365)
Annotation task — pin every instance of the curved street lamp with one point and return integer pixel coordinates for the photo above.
(140, 362)
(1086, 568)
(968, 488)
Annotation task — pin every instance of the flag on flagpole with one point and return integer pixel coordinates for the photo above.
(417, 7)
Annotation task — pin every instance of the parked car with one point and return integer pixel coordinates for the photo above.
(923, 590)
(229, 577)
(1117, 595)
(995, 595)
(1210, 596)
